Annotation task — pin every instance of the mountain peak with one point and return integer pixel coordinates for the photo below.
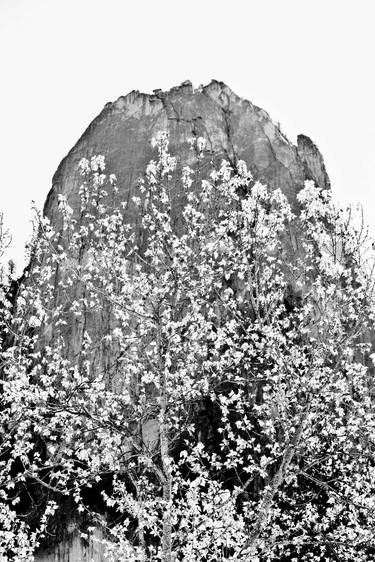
(233, 127)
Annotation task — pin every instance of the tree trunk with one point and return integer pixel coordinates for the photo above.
(276, 482)
(167, 485)
(165, 461)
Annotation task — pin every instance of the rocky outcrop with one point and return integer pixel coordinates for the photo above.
(234, 129)
(312, 161)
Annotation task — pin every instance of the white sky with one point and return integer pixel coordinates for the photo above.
(310, 64)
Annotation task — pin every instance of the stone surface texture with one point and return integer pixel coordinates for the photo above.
(233, 127)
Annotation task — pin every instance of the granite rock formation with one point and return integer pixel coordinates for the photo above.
(234, 129)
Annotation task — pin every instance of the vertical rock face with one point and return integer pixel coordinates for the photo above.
(233, 128)
(73, 549)
(312, 161)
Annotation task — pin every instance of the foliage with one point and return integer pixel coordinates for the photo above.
(5, 241)
(209, 373)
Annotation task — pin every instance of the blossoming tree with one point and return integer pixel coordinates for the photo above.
(226, 410)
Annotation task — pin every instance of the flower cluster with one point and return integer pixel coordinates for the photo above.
(209, 373)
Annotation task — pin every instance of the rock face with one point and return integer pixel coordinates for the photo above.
(233, 128)
(312, 160)
(73, 549)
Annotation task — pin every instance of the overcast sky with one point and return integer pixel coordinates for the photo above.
(310, 64)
